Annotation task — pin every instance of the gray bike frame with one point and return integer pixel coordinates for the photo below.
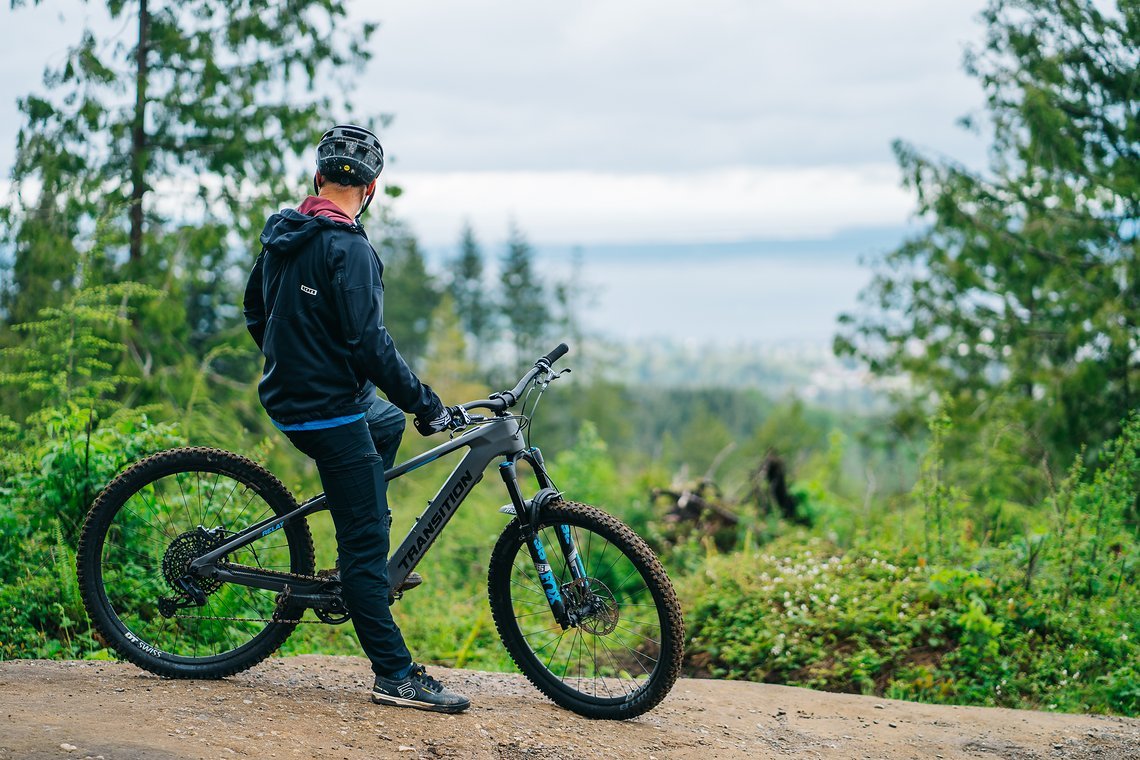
(499, 437)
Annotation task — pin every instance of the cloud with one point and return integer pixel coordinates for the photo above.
(589, 207)
(644, 86)
(640, 120)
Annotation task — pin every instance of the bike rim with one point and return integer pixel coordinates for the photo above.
(152, 537)
(613, 654)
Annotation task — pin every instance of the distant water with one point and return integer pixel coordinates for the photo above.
(772, 292)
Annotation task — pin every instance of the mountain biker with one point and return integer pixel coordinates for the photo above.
(314, 304)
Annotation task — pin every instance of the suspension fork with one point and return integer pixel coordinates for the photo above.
(565, 535)
(527, 517)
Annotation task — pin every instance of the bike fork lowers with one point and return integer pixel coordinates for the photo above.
(528, 517)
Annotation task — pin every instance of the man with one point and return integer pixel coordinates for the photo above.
(315, 306)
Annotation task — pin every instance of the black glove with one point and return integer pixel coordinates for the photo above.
(450, 418)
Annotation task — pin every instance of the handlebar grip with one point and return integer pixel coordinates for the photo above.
(559, 351)
(494, 404)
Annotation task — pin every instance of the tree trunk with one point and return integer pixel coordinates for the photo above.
(138, 139)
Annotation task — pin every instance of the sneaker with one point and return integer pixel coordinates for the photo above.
(418, 690)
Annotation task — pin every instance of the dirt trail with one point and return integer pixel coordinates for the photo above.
(317, 707)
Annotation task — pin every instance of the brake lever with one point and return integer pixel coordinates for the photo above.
(472, 420)
(550, 376)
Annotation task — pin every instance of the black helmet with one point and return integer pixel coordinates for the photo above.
(349, 155)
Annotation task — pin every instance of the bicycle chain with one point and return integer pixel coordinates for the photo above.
(244, 620)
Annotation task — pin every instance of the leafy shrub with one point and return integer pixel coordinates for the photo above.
(52, 467)
(872, 622)
(47, 490)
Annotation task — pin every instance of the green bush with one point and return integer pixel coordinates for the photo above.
(47, 490)
(802, 612)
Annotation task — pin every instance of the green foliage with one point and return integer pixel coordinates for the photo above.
(69, 355)
(410, 293)
(867, 621)
(47, 489)
(73, 455)
(588, 470)
(1023, 285)
(941, 502)
(1094, 530)
(1043, 620)
(71, 445)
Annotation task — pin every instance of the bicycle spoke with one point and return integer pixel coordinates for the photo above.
(617, 664)
(156, 531)
(566, 667)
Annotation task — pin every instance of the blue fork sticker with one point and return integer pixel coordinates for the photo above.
(548, 583)
(572, 558)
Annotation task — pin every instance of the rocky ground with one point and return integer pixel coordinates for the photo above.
(317, 707)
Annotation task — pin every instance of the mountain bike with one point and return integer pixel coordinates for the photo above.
(199, 563)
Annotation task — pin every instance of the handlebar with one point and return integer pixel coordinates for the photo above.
(504, 400)
(559, 351)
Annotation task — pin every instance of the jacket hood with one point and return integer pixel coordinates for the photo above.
(287, 231)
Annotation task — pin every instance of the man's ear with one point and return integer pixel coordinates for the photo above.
(318, 180)
(370, 189)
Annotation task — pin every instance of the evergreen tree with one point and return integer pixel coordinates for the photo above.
(523, 300)
(197, 122)
(1025, 283)
(467, 289)
(410, 292)
(446, 363)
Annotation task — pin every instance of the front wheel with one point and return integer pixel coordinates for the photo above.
(622, 650)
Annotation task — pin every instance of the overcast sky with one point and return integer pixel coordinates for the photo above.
(645, 122)
(633, 121)
(639, 120)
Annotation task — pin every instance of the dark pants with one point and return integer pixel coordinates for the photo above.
(351, 460)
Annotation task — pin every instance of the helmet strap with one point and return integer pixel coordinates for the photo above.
(367, 202)
(316, 183)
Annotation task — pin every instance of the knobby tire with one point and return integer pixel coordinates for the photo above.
(626, 678)
(134, 510)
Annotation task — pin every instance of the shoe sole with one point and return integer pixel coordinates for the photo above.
(384, 699)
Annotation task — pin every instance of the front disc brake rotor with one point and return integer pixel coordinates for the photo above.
(594, 605)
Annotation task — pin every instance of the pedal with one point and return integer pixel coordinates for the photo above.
(414, 579)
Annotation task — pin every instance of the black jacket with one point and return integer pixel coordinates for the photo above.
(315, 305)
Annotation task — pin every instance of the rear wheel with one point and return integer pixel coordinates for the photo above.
(139, 539)
(623, 653)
